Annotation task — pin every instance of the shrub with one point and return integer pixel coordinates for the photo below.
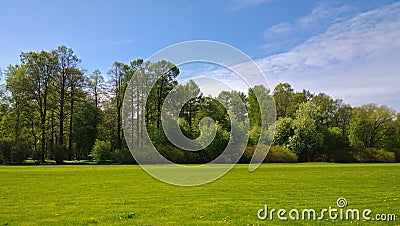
(248, 154)
(6, 151)
(11, 153)
(146, 155)
(280, 154)
(385, 156)
(124, 156)
(276, 154)
(344, 155)
(373, 155)
(18, 153)
(101, 151)
(397, 154)
(175, 154)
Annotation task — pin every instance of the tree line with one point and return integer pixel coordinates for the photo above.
(52, 110)
(320, 128)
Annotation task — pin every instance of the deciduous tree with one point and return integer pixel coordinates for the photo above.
(369, 125)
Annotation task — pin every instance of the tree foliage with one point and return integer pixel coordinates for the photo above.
(51, 110)
(370, 125)
(306, 139)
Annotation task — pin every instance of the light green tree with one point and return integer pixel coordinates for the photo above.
(283, 131)
(306, 139)
(369, 125)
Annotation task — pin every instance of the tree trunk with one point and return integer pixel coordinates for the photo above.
(60, 148)
(119, 142)
(190, 115)
(34, 140)
(96, 96)
(70, 125)
(159, 103)
(52, 133)
(43, 137)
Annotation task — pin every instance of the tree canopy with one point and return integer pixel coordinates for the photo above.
(53, 110)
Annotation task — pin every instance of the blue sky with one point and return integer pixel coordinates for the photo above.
(348, 49)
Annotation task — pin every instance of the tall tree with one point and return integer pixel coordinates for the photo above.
(139, 75)
(16, 115)
(254, 111)
(118, 80)
(283, 93)
(261, 114)
(297, 99)
(15, 80)
(165, 74)
(327, 108)
(95, 83)
(41, 68)
(342, 118)
(265, 102)
(67, 61)
(76, 83)
(3, 105)
(188, 111)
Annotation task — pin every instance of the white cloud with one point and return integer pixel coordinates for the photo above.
(367, 35)
(286, 35)
(279, 29)
(355, 59)
(325, 12)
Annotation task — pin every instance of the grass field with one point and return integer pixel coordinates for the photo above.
(126, 195)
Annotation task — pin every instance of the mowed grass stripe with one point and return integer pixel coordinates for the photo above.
(126, 195)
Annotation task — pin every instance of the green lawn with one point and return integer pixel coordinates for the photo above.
(126, 195)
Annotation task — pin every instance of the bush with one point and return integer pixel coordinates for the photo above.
(124, 156)
(12, 153)
(397, 154)
(276, 154)
(344, 155)
(18, 153)
(175, 154)
(6, 151)
(102, 151)
(248, 154)
(373, 155)
(280, 154)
